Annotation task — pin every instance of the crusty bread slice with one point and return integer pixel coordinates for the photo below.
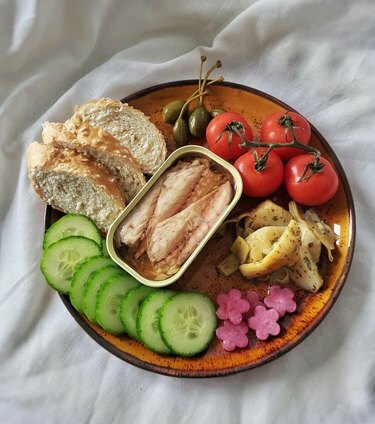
(102, 147)
(71, 183)
(130, 126)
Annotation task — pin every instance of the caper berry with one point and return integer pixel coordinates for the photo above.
(172, 110)
(181, 132)
(217, 111)
(198, 121)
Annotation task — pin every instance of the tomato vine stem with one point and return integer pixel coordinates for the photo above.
(311, 168)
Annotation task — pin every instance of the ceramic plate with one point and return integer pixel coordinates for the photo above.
(202, 276)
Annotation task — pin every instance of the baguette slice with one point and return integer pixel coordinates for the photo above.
(71, 183)
(130, 126)
(102, 147)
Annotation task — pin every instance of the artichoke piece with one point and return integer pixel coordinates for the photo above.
(305, 272)
(281, 276)
(309, 240)
(229, 265)
(320, 229)
(283, 252)
(242, 227)
(240, 249)
(261, 241)
(268, 213)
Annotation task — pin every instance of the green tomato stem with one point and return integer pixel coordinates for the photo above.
(311, 168)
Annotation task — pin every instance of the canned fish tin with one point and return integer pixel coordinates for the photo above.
(145, 266)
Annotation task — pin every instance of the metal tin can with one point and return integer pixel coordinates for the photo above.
(190, 151)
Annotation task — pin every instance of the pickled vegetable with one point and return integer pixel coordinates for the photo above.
(283, 252)
(229, 265)
(172, 110)
(240, 249)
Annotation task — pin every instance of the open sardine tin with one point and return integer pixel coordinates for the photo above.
(185, 152)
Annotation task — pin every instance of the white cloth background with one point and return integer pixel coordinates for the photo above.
(319, 57)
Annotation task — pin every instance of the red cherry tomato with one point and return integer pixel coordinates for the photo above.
(273, 132)
(317, 189)
(224, 143)
(260, 183)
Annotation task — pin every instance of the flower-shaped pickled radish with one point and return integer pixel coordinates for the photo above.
(254, 301)
(232, 306)
(280, 299)
(264, 322)
(233, 335)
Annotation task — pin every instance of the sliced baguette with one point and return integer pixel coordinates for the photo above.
(71, 183)
(130, 126)
(102, 147)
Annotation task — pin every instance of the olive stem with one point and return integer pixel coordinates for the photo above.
(190, 99)
(219, 79)
(194, 95)
(208, 73)
(203, 59)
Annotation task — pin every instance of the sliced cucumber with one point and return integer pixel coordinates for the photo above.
(82, 274)
(109, 300)
(130, 306)
(72, 225)
(148, 331)
(104, 247)
(187, 323)
(92, 286)
(60, 260)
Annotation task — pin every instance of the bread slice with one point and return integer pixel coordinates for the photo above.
(102, 147)
(130, 126)
(71, 183)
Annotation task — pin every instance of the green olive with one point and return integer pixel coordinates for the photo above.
(181, 132)
(217, 111)
(198, 121)
(172, 110)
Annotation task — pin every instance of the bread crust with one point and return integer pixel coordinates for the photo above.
(130, 126)
(64, 162)
(101, 146)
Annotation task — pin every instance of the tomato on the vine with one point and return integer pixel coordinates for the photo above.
(224, 142)
(313, 188)
(260, 183)
(275, 130)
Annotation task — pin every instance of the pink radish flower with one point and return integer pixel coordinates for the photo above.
(280, 299)
(233, 335)
(254, 301)
(232, 306)
(264, 322)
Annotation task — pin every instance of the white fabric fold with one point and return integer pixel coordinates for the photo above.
(317, 56)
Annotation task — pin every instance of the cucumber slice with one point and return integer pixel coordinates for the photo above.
(82, 274)
(130, 306)
(104, 247)
(92, 286)
(148, 331)
(109, 300)
(72, 225)
(60, 260)
(188, 323)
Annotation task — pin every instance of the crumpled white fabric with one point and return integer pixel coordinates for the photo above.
(318, 56)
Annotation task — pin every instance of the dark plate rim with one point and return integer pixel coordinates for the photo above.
(318, 319)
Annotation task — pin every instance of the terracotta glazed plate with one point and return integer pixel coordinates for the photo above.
(202, 276)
